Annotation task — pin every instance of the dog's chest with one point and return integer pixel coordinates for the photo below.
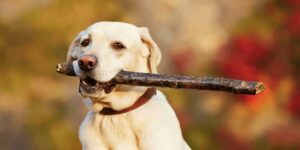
(108, 132)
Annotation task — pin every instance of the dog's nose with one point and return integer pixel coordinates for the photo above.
(87, 62)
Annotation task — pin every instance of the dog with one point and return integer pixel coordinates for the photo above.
(121, 117)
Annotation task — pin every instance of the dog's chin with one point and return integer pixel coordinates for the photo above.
(88, 87)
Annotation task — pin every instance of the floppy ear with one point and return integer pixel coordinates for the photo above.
(155, 54)
(74, 51)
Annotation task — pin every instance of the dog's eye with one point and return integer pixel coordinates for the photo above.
(85, 43)
(117, 45)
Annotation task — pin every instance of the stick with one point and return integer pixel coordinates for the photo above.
(176, 81)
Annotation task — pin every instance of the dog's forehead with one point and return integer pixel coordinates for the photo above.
(115, 31)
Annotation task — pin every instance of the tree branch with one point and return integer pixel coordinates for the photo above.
(176, 81)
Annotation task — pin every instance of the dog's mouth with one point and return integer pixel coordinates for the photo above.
(89, 87)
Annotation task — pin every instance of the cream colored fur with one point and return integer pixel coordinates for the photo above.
(153, 126)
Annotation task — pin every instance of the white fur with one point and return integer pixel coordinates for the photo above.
(154, 125)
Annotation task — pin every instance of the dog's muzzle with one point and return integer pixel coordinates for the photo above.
(89, 87)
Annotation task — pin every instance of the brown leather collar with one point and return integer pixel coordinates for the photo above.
(141, 101)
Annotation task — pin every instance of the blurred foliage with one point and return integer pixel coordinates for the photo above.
(40, 110)
(265, 47)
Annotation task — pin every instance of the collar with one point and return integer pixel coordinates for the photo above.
(150, 92)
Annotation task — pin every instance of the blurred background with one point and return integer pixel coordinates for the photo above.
(250, 40)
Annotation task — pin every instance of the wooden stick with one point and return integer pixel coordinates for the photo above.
(176, 81)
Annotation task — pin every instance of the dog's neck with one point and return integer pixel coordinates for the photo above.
(124, 97)
(149, 93)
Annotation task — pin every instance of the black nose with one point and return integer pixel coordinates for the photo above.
(87, 62)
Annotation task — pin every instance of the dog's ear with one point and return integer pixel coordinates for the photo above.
(74, 51)
(155, 54)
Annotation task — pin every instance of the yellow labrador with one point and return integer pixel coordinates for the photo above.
(121, 117)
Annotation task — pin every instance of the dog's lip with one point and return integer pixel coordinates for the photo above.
(88, 81)
(90, 85)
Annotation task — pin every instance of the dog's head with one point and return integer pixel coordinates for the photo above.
(105, 48)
